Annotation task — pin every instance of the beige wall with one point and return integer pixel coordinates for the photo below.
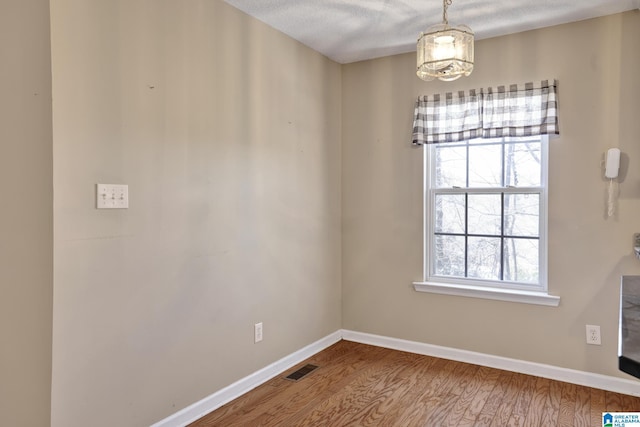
(26, 221)
(597, 63)
(228, 135)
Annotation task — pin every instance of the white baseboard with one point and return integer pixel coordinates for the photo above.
(227, 394)
(242, 386)
(588, 379)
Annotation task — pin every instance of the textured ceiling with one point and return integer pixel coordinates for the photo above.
(353, 30)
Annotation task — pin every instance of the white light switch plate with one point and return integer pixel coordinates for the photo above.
(112, 196)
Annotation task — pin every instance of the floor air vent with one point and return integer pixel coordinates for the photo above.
(300, 373)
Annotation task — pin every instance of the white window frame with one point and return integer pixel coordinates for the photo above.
(497, 290)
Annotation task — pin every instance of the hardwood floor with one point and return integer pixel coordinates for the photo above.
(361, 385)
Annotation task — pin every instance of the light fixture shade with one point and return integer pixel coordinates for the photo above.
(445, 52)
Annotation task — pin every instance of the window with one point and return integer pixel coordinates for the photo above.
(485, 222)
(486, 203)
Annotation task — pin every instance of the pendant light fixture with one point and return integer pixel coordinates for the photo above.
(445, 52)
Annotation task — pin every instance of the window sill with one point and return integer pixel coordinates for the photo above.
(511, 295)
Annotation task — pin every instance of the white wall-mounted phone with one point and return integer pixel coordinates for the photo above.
(611, 168)
(612, 163)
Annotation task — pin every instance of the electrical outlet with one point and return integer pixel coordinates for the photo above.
(593, 334)
(257, 332)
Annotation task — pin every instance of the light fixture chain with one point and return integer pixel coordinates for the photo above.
(445, 5)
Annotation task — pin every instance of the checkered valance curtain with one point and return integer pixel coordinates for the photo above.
(515, 110)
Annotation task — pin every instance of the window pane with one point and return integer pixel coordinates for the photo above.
(449, 256)
(449, 215)
(485, 214)
(521, 215)
(521, 260)
(485, 165)
(451, 166)
(483, 260)
(522, 164)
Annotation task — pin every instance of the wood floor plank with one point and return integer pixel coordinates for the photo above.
(494, 400)
(442, 405)
(361, 385)
(503, 414)
(519, 414)
(538, 400)
(437, 401)
(481, 398)
(597, 406)
(461, 377)
(582, 416)
(478, 391)
(460, 387)
(416, 384)
(424, 400)
(567, 405)
(428, 401)
(551, 409)
(613, 402)
(629, 403)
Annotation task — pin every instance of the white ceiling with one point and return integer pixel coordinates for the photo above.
(354, 30)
